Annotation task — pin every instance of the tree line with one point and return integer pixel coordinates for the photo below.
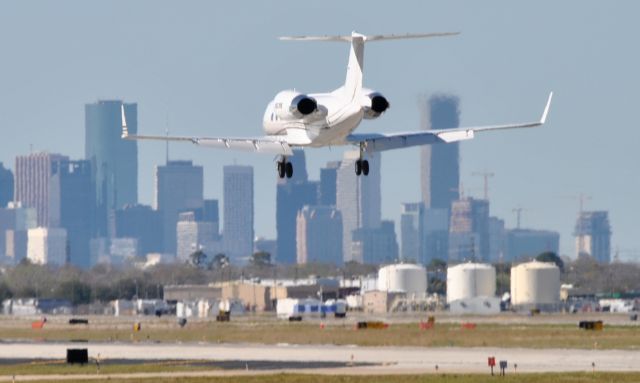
(104, 283)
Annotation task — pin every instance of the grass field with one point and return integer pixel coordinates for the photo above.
(61, 368)
(290, 378)
(339, 333)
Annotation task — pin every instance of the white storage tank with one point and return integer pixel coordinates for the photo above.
(535, 284)
(470, 280)
(404, 278)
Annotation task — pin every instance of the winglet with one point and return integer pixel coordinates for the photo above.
(546, 109)
(125, 130)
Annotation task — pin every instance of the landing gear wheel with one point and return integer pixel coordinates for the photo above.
(289, 169)
(358, 167)
(365, 167)
(281, 169)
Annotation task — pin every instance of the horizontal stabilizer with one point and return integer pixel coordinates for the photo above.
(348, 38)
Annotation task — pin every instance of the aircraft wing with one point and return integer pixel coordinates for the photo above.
(268, 145)
(380, 142)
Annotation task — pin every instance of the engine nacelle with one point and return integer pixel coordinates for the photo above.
(290, 104)
(374, 104)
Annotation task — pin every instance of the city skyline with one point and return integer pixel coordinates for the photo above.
(66, 188)
(537, 170)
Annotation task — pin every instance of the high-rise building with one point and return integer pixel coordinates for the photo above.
(436, 235)
(209, 213)
(328, 182)
(319, 235)
(358, 199)
(142, 223)
(47, 246)
(16, 245)
(6, 186)
(122, 250)
(77, 206)
(238, 212)
(34, 187)
(195, 235)
(440, 173)
(412, 231)
(291, 195)
(62, 193)
(593, 235)
(469, 230)
(15, 220)
(375, 245)
(114, 161)
(178, 188)
(497, 240)
(527, 243)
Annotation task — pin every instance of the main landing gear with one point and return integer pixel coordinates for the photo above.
(362, 165)
(285, 168)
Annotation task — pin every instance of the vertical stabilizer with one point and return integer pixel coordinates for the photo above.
(353, 82)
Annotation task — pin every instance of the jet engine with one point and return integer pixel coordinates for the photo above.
(374, 104)
(290, 104)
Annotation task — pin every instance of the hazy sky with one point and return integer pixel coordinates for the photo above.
(209, 68)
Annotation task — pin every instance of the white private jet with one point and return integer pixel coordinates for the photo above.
(294, 119)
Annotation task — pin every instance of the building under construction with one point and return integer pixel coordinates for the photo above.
(469, 230)
(593, 235)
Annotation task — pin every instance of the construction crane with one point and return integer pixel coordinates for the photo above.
(486, 175)
(518, 210)
(581, 198)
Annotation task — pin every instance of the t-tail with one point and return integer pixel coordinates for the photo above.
(353, 81)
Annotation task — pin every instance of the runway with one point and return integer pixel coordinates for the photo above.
(384, 360)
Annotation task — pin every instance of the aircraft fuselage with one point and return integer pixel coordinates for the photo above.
(332, 120)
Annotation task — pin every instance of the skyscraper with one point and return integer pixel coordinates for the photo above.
(114, 161)
(358, 199)
(209, 213)
(178, 188)
(412, 231)
(15, 221)
(440, 173)
(375, 245)
(6, 186)
(238, 212)
(291, 195)
(319, 235)
(425, 232)
(497, 240)
(593, 235)
(33, 186)
(436, 235)
(469, 230)
(328, 181)
(142, 223)
(77, 207)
